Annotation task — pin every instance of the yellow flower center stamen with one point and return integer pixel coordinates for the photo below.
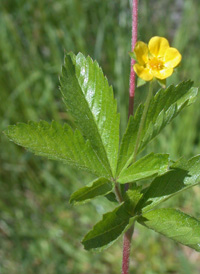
(155, 64)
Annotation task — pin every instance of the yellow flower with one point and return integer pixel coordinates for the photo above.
(157, 59)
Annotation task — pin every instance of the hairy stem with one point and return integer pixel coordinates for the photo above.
(127, 250)
(133, 42)
(128, 234)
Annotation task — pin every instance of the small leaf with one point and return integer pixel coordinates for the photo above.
(111, 197)
(182, 175)
(108, 230)
(175, 225)
(114, 223)
(99, 187)
(140, 82)
(132, 198)
(58, 143)
(89, 99)
(163, 108)
(146, 167)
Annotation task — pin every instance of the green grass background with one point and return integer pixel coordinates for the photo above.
(39, 231)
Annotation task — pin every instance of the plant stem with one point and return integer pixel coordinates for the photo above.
(146, 106)
(133, 42)
(128, 234)
(126, 250)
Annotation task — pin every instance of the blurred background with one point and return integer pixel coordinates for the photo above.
(39, 231)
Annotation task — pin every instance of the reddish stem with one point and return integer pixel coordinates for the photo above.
(133, 42)
(129, 233)
(126, 250)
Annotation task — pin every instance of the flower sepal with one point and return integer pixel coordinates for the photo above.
(162, 82)
(140, 82)
(132, 55)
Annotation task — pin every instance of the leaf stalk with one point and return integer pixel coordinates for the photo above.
(118, 193)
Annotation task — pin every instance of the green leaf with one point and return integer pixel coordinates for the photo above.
(128, 141)
(146, 167)
(175, 225)
(114, 223)
(183, 175)
(163, 108)
(108, 230)
(57, 143)
(111, 197)
(89, 99)
(132, 196)
(99, 187)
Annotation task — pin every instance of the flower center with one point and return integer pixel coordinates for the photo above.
(155, 64)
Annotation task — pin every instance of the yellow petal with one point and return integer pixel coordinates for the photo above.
(158, 46)
(163, 73)
(141, 52)
(172, 58)
(143, 72)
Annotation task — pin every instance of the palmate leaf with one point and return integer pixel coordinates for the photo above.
(99, 187)
(146, 167)
(113, 223)
(58, 143)
(183, 175)
(89, 99)
(163, 108)
(175, 225)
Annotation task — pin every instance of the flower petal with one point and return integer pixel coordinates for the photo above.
(158, 46)
(172, 58)
(143, 72)
(163, 73)
(141, 52)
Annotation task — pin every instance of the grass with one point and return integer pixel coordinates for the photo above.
(39, 231)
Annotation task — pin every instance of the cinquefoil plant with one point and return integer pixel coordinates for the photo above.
(94, 145)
